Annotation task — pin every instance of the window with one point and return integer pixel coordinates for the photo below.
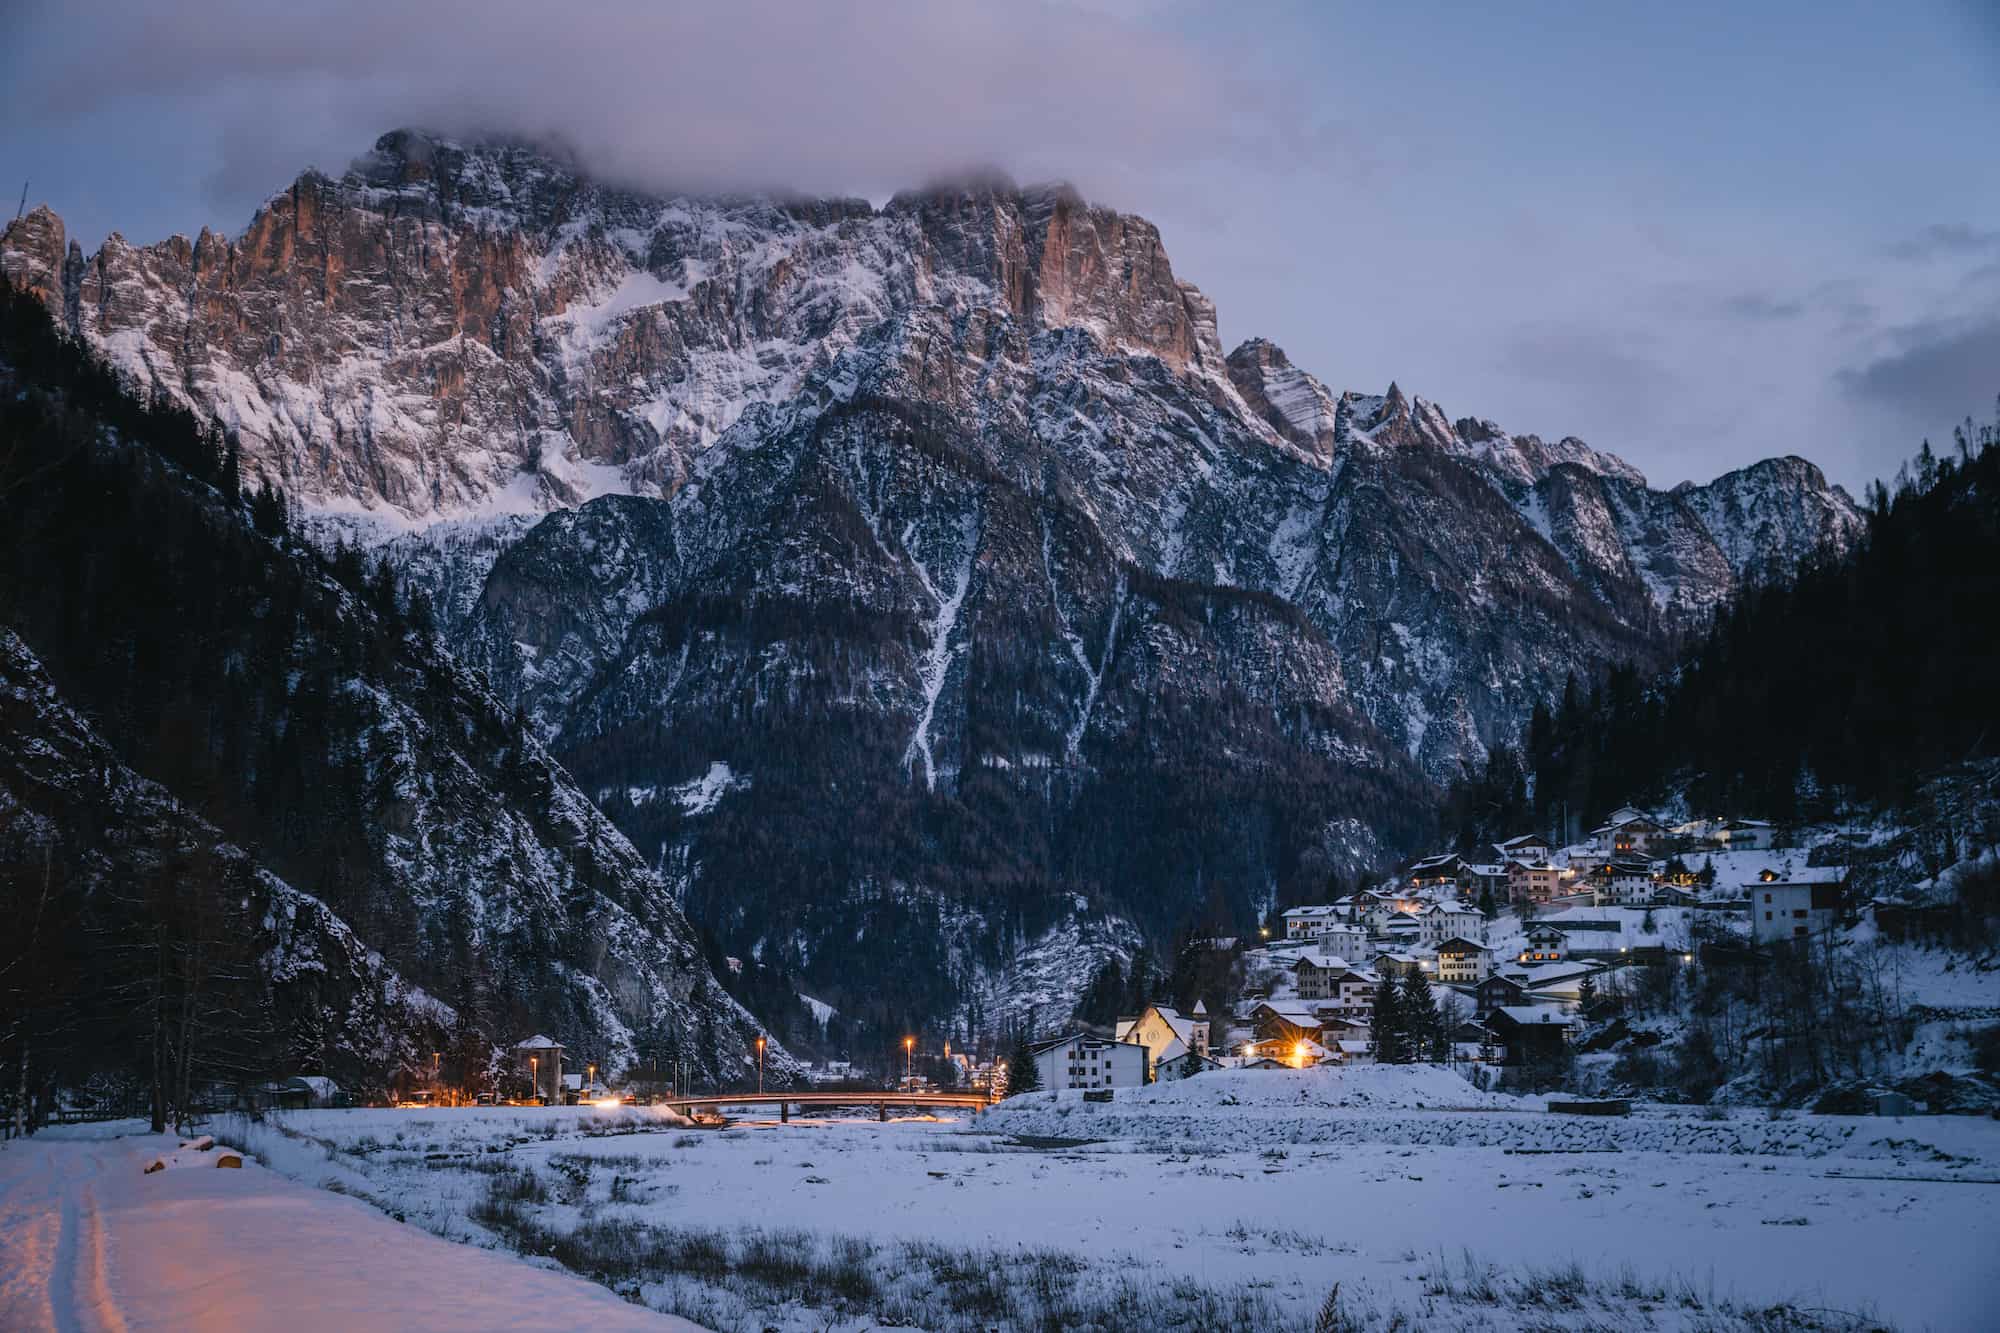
(1767, 897)
(1767, 915)
(1799, 913)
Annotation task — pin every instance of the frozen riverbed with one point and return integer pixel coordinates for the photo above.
(1186, 1204)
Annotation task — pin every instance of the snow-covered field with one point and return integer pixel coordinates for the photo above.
(1235, 1200)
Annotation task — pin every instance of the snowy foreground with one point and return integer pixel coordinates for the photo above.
(89, 1242)
(1237, 1200)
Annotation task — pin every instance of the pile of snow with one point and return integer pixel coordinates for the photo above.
(1361, 1087)
(200, 1152)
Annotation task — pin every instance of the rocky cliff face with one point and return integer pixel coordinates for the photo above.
(947, 529)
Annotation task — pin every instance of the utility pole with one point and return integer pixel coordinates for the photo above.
(24, 200)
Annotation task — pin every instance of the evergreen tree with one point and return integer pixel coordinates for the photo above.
(1385, 1023)
(1487, 907)
(1423, 1029)
(1587, 994)
(1022, 1076)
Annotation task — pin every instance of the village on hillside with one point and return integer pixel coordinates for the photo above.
(1498, 960)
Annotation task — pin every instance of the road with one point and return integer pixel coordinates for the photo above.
(88, 1244)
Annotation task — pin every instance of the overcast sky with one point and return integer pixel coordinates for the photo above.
(1694, 234)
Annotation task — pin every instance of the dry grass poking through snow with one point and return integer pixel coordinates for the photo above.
(732, 1279)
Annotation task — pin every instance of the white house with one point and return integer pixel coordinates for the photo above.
(1083, 1061)
(1744, 835)
(1343, 938)
(1545, 944)
(1185, 1065)
(1166, 1033)
(1442, 921)
(1463, 961)
(1797, 908)
(1302, 923)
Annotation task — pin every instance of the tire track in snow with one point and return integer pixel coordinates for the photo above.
(92, 1289)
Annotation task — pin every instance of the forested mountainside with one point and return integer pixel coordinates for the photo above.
(1849, 685)
(126, 907)
(302, 708)
(940, 597)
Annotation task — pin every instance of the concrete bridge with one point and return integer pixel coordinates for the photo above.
(785, 1101)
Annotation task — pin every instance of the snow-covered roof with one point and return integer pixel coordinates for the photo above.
(1536, 1014)
(1489, 871)
(1459, 944)
(1320, 958)
(1305, 913)
(1082, 1039)
(538, 1042)
(1802, 875)
(1299, 1015)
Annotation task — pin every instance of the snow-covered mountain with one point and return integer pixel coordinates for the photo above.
(948, 526)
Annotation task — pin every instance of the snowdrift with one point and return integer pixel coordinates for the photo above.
(200, 1152)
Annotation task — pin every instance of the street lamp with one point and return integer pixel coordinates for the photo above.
(909, 1058)
(760, 1066)
(535, 1077)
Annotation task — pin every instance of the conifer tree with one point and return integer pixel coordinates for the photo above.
(1423, 1031)
(1022, 1076)
(1385, 1024)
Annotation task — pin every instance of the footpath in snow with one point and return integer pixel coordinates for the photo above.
(90, 1242)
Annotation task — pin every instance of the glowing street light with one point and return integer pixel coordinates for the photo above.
(535, 1077)
(760, 1065)
(909, 1058)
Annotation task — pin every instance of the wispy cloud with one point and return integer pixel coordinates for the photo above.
(706, 95)
(1946, 240)
(1940, 365)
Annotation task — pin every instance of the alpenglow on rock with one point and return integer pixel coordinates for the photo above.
(1017, 609)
